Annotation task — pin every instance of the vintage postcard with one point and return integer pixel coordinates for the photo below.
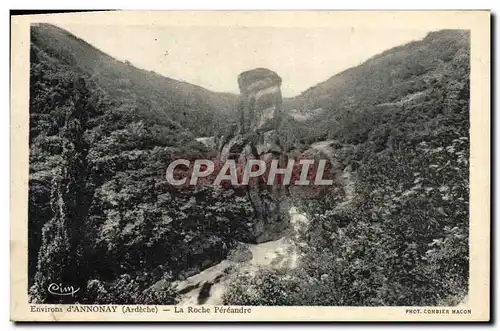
(250, 166)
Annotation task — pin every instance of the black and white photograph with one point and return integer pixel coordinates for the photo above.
(248, 166)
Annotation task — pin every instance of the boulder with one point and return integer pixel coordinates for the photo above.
(209, 142)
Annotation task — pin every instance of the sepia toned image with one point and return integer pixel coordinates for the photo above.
(257, 166)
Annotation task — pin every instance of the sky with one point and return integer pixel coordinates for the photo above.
(212, 57)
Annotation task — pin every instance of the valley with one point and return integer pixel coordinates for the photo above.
(392, 229)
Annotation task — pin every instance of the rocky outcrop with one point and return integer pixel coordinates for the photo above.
(259, 109)
(260, 100)
(209, 142)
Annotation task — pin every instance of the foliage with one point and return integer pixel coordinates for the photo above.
(265, 288)
(126, 290)
(61, 254)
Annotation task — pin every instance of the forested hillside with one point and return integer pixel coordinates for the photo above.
(152, 95)
(400, 77)
(400, 127)
(100, 215)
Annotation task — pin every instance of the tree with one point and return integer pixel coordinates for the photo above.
(61, 259)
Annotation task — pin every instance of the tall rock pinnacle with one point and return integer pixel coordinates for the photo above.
(259, 109)
(260, 102)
